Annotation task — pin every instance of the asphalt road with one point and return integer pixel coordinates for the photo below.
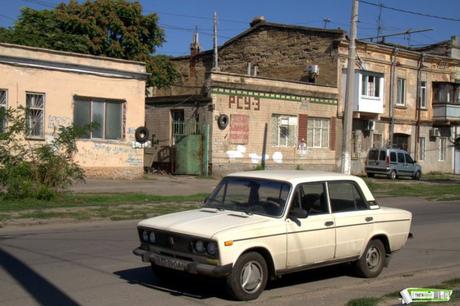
(92, 264)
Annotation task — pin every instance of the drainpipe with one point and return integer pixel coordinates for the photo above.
(392, 86)
(418, 104)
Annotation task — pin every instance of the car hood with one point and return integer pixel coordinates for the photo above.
(202, 222)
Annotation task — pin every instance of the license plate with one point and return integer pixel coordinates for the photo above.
(170, 263)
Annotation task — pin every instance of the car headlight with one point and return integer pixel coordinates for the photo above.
(199, 246)
(145, 236)
(152, 238)
(211, 248)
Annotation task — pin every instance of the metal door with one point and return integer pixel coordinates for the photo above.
(457, 162)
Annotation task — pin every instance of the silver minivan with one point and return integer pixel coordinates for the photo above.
(392, 163)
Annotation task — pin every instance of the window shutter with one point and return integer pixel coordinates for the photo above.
(302, 128)
(332, 133)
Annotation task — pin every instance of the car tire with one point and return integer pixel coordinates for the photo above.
(248, 277)
(393, 175)
(417, 175)
(370, 174)
(372, 261)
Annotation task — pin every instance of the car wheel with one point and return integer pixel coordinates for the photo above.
(372, 261)
(248, 278)
(417, 175)
(370, 175)
(393, 175)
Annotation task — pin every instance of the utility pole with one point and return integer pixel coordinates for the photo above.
(215, 65)
(326, 20)
(349, 93)
(379, 20)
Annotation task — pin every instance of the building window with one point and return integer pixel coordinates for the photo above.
(284, 130)
(177, 116)
(105, 116)
(442, 148)
(370, 85)
(401, 97)
(318, 133)
(421, 152)
(3, 108)
(35, 115)
(422, 94)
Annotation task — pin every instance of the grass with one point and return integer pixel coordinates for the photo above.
(365, 301)
(374, 301)
(82, 200)
(430, 191)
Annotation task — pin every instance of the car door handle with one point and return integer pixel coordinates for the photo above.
(329, 223)
(369, 219)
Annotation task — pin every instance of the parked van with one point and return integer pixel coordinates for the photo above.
(392, 163)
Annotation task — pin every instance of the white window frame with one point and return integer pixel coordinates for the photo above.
(401, 92)
(442, 149)
(370, 91)
(422, 148)
(103, 127)
(291, 121)
(312, 127)
(4, 105)
(422, 95)
(42, 109)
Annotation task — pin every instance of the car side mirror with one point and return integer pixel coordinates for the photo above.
(298, 213)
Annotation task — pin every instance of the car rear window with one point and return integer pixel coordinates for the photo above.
(373, 154)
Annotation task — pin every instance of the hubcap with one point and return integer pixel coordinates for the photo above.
(251, 277)
(373, 258)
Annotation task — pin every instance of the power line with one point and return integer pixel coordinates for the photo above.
(409, 12)
(200, 17)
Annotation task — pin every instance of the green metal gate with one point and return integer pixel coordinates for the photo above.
(191, 141)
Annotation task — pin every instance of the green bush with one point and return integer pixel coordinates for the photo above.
(36, 170)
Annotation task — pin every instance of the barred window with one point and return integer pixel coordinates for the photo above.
(35, 115)
(318, 133)
(284, 130)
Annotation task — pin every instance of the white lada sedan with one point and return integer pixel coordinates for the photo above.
(258, 225)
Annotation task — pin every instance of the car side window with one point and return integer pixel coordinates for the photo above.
(409, 159)
(400, 157)
(393, 157)
(344, 196)
(314, 199)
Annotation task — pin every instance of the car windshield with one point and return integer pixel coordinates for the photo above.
(250, 195)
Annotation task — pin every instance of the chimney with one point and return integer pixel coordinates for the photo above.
(194, 51)
(257, 20)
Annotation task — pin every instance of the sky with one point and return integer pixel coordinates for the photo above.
(180, 18)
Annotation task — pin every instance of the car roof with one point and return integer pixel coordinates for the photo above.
(294, 176)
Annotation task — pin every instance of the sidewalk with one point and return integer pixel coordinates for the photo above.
(152, 184)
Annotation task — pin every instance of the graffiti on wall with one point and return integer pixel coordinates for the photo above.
(239, 129)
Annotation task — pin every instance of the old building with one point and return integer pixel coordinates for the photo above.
(407, 98)
(278, 93)
(61, 88)
(265, 104)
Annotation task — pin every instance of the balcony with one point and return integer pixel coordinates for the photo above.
(446, 112)
(446, 102)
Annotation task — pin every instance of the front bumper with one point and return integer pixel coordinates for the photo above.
(187, 266)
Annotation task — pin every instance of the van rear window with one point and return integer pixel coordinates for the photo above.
(373, 154)
(383, 155)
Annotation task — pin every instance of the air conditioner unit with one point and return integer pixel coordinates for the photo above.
(313, 69)
(434, 132)
(369, 125)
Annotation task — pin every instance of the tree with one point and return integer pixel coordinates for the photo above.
(114, 28)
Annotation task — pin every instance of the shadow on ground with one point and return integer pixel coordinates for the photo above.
(198, 287)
